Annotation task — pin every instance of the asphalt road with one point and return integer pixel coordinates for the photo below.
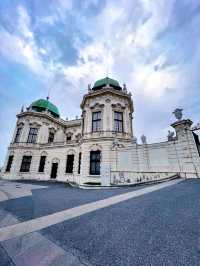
(159, 228)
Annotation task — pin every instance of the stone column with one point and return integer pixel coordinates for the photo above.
(25, 131)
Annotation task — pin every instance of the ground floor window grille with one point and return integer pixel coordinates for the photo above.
(95, 157)
(26, 163)
(9, 163)
(79, 163)
(42, 164)
(70, 163)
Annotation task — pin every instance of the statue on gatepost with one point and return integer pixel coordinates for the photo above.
(170, 135)
(178, 113)
(124, 88)
(89, 88)
(144, 139)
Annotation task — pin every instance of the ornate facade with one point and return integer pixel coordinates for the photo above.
(98, 148)
(44, 146)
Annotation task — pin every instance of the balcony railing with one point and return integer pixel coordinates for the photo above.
(37, 145)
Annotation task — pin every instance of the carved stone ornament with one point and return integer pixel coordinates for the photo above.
(97, 105)
(107, 100)
(52, 129)
(69, 134)
(35, 124)
(20, 124)
(78, 137)
(115, 143)
(118, 105)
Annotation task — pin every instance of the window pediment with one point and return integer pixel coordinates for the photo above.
(69, 134)
(118, 106)
(70, 151)
(95, 147)
(35, 124)
(97, 106)
(52, 129)
(20, 124)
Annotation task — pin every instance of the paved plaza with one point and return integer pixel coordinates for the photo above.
(54, 224)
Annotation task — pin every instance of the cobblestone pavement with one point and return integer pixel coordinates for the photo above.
(157, 228)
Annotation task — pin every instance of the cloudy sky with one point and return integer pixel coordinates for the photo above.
(62, 45)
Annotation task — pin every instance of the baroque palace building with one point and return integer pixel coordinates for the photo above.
(98, 148)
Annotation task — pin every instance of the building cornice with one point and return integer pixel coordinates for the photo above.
(59, 121)
(111, 91)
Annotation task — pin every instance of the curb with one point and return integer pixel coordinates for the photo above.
(125, 185)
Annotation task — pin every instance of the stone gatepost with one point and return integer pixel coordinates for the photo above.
(186, 149)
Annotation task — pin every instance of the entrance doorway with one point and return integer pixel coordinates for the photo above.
(54, 169)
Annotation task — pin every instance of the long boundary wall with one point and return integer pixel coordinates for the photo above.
(159, 160)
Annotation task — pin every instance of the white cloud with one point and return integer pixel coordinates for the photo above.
(123, 39)
(20, 46)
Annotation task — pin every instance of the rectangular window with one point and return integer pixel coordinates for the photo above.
(42, 164)
(26, 163)
(32, 136)
(70, 163)
(9, 163)
(79, 162)
(118, 121)
(51, 137)
(96, 121)
(95, 157)
(18, 134)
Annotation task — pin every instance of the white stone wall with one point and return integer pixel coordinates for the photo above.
(58, 154)
(126, 159)
(179, 156)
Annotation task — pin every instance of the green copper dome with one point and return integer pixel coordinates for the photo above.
(99, 84)
(44, 104)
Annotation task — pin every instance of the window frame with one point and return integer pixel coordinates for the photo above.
(18, 135)
(9, 163)
(32, 136)
(42, 163)
(26, 164)
(79, 162)
(51, 137)
(118, 122)
(96, 122)
(95, 162)
(70, 164)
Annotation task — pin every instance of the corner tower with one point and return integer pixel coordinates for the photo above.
(107, 111)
